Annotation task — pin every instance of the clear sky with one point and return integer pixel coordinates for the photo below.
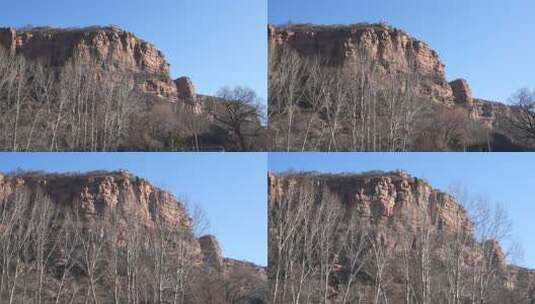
(230, 188)
(215, 42)
(507, 179)
(488, 42)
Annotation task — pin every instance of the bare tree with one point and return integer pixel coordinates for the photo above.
(523, 113)
(285, 90)
(91, 241)
(355, 245)
(239, 112)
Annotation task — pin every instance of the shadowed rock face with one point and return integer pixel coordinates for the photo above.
(393, 50)
(119, 49)
(211, 251)
(111, 48)
(186, 88)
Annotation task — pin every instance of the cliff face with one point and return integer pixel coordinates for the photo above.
(396, 208)
(393, 50)
(113, 49)
(392, 198)
(120, 49)
(97, 194)
(125, 212)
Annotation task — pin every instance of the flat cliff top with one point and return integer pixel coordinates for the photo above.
(341, 28)
(394, 175)
(69, 177)
(50, 31)
(306, 27)
(55, 46)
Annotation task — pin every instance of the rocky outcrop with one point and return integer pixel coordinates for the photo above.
(113, 49)
(8, 38)
(394, 52)
(488, 113)
(274, 187)
(491, 113)
(187, 94)
(461, 92)
(185, 88)
(495, 251)
(211, 251)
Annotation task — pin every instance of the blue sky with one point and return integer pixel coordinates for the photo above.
(230, 188)
(215, 42)
(504, 178)
(488, 42)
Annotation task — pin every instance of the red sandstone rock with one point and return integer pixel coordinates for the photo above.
(186, 93)
(381, 196)
(394, 52)
(398, 205)
(392, 49)
(461, 92)
(97, 194)
(115, 50)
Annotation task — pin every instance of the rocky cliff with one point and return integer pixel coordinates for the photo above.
(111, 48)
(392, 51)
(397, 207)
(395, 198)
(136, 238)
(97, 194)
